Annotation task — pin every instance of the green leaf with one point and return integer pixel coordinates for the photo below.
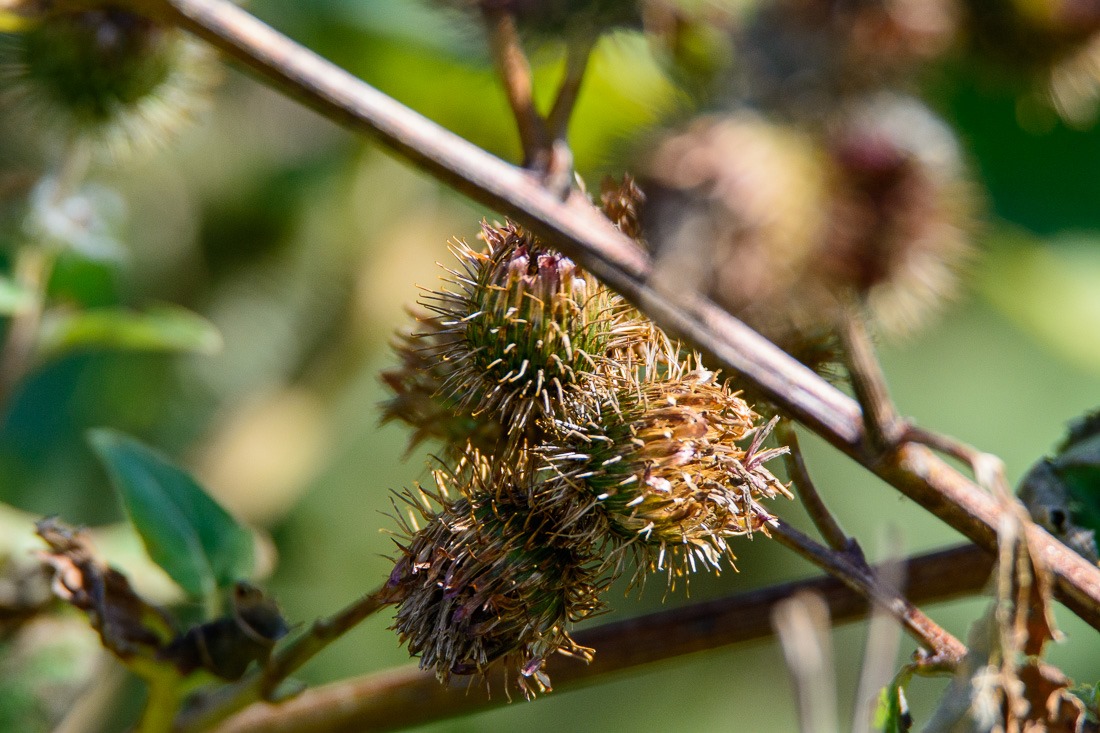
(14, 297)
(164, 328)
(892, 715)
(185, 531)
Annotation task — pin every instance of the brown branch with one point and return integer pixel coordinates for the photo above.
(577, 53)
(868, 382)
(225, 701)
(515, 73)
(860, 578)
(811, 500)
(577, 228)
(408, 697)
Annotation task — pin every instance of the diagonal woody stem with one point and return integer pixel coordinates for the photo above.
(407, 697)
(812, 502)
(515, 73)
(860, 578)
(576, 228)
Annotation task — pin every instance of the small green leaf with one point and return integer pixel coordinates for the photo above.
(14, 297)
(164, 328)
(185, 531)
(892, 715)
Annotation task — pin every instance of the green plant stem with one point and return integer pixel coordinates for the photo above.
(576, 228)
(260, 684)
(163, 703)
(406, 697)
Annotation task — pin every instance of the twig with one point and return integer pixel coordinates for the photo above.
(812, 502)
(577, 52)
(883, 638)
(860, 578)
(515, 72)
(880, 418)
(577, 229)
(885, 428)
(989, 470)
(222, 703)
(407, 697)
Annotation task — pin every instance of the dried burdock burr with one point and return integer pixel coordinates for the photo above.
(675, 466)
(106, 77)
(802, 58)
(560, 18)
(418, 401)
(788, 224)
(490, 577)
(901, 211)
(519, 332)
(736, 209)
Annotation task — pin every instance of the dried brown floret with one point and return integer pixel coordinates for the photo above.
(490, 578)
(662, 462)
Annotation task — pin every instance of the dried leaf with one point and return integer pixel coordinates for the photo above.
(128, 626)
(139, 633)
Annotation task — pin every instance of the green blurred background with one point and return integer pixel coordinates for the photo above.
(303, 244)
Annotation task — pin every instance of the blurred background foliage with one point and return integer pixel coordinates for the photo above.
(303, 244)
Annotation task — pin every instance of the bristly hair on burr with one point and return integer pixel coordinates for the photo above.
(660, 459)
(489, 578)
(106, 78)
(518, 331)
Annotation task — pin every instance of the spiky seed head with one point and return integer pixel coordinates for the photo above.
(107, 77)
(524, 329)
(663, 463)
(799, 58)
(877, 210)
(417, 398)
(736, 209)
(901, 211)
(488, 579)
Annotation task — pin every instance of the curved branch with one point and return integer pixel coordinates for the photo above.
(406, 697)
(577, 228)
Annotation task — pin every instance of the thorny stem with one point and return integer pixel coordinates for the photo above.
(259, 685)
(814, 505)
(858, 576)
(406, 697)
(576, 228)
